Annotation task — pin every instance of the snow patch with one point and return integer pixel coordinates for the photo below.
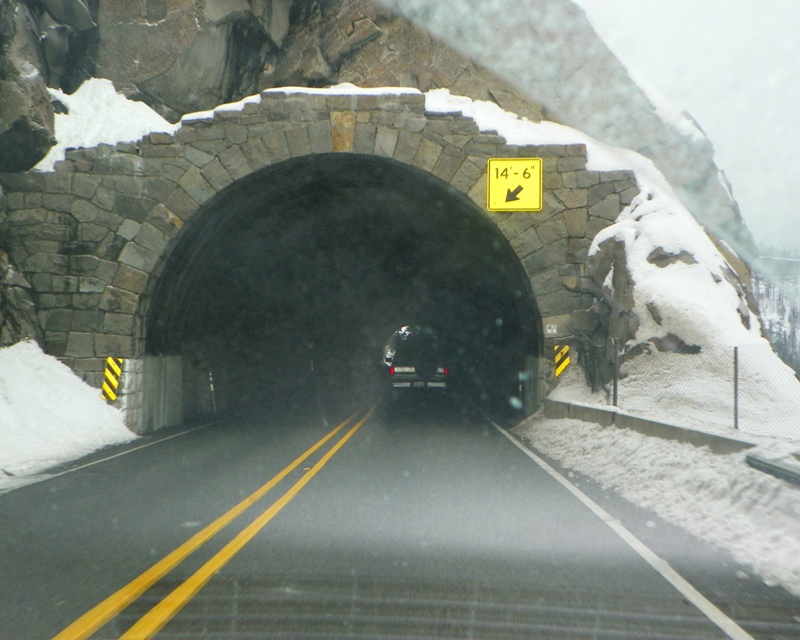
(48, 415)
(223, 108)
(347, 89)
(695, 301)
(97, 114)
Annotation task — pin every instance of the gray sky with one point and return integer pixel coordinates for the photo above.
(735, 66)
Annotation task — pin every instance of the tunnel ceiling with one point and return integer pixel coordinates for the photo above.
(332, 253)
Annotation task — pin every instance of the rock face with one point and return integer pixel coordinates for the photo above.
(26, 117)
(18, 317)
(361, 42)
(197, 55)
(186, 56)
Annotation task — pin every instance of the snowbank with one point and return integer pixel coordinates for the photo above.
(754, 516)
(48, 415)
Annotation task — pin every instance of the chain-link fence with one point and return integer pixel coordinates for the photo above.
(768, 393)
(746, 388)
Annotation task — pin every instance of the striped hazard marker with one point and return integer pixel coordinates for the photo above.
(561, 359)
(111, 378)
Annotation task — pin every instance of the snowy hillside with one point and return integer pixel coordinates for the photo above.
(779, 302)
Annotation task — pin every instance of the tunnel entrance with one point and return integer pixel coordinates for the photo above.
(291, 280)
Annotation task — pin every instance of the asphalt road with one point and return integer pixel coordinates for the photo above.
(423, 522)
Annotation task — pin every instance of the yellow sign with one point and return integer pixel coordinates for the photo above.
(561, 358)
(111, 377)
(514, 184)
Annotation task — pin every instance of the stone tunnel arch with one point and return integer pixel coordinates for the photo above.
(319, 258)
(95, 238)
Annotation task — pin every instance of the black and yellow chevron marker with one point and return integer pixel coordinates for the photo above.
(561, 359)
(111, 378)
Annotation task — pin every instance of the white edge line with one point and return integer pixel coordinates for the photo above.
(708, 608)
(46, 476)
(36, 479)
(127, 451)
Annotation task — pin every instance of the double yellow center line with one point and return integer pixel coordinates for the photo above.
(147, 626)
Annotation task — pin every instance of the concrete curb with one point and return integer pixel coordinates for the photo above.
(611, 416)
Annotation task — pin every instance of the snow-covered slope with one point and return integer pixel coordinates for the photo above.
(731, 375)
(779, 303)
(48, 415)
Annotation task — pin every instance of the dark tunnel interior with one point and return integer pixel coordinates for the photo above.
(291, 281)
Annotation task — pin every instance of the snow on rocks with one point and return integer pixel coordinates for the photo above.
(48, 415)
(683, 285)
(678, 310)
(97, 114)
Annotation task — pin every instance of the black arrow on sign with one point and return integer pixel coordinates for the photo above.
(513, 195)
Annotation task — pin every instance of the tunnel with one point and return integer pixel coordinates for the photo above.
(287, 285)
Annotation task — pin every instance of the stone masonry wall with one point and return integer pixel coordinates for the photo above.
(92, 236)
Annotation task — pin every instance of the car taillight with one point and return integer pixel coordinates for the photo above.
(446, 371)
(391, 371)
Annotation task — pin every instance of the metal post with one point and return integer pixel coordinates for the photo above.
(616, 371)
(736, 388)
(213, 395)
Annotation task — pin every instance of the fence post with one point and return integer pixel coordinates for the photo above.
(616, 371)
(213, 394)
(736, 388)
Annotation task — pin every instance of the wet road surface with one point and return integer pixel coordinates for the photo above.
(421, 521)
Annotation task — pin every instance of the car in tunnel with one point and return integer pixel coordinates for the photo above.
(415, 359)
